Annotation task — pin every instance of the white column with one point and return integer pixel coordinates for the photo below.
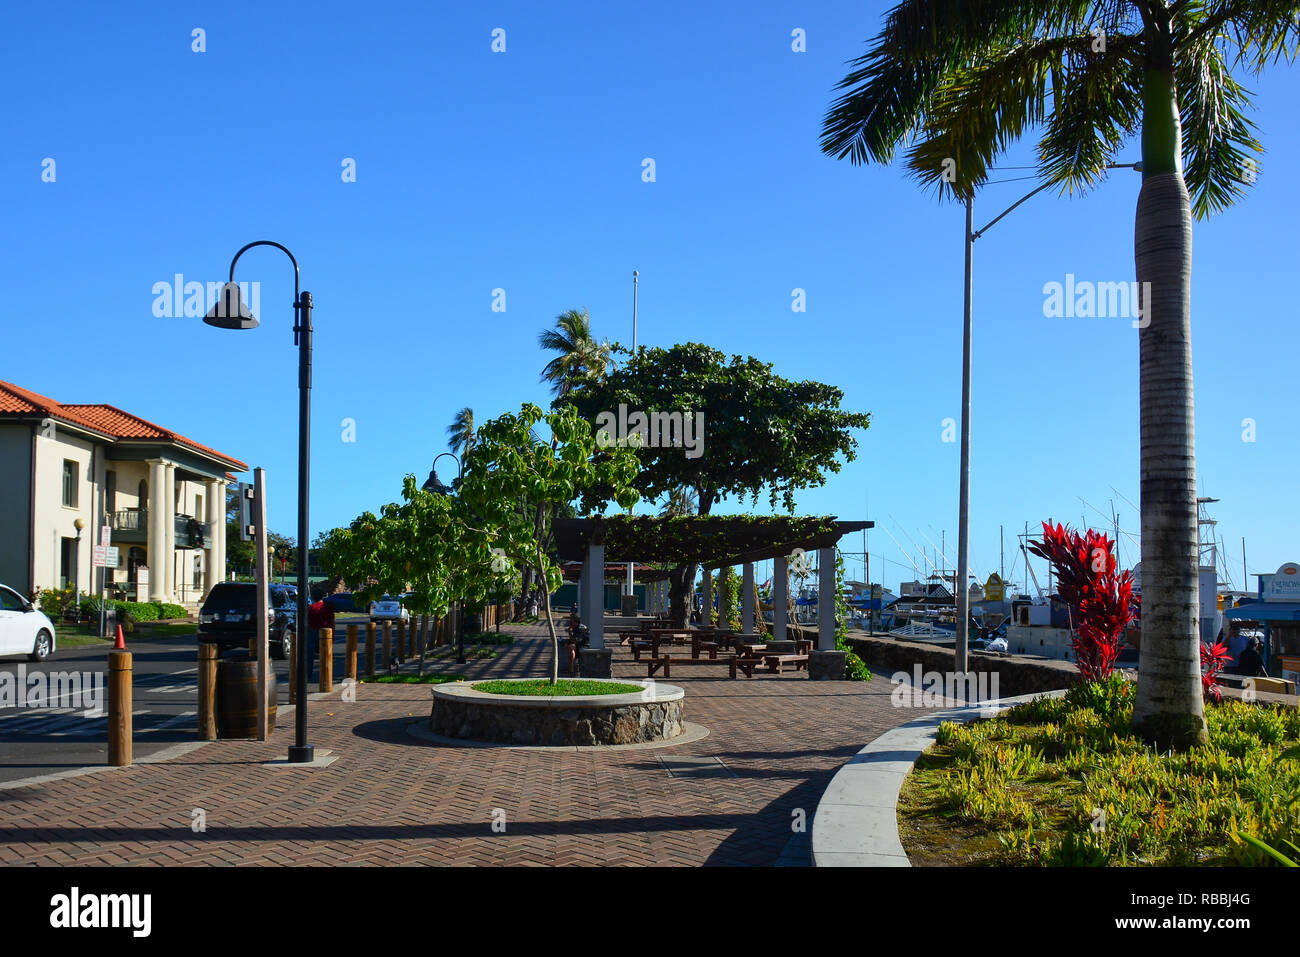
(157, 532)
(747, 623)
(219, 533)
(215, 517)
(826, 599)
(706, 597)
(596, 598)
(780, 596)
(169, 532)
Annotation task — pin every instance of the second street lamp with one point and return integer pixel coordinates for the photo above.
(231, 313)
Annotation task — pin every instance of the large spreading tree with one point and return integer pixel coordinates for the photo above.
(760, 433)
(959, 81)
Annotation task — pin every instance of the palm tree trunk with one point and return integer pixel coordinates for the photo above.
(1169, 711)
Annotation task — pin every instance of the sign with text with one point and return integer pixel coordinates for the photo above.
(1284, 585)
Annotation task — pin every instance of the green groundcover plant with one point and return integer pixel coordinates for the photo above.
(1066, 781)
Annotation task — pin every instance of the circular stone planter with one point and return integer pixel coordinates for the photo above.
(461, 711)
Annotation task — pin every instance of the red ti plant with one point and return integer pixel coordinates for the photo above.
(1212, 661)
(1098, 593)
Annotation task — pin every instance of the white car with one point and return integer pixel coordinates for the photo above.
(388, 608)
(24, 629)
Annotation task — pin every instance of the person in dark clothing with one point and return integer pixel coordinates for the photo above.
(319, 615)
(1251, 664)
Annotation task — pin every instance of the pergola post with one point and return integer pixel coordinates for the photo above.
(706, 597)
(747, 623)
(596, 597)
(826, 599)
(780, 595)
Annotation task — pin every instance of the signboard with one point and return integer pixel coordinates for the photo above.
(100, 553)
(1284, 585)
(141, 583)
(877, 592)
(111, 557)
(105, 535)
(995, 588)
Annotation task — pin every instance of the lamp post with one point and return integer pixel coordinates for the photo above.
(230, 313)
(460, 611)
(963, 506)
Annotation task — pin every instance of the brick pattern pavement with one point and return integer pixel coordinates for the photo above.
(395, 799)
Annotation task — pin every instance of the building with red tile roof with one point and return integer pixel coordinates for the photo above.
(69, 470)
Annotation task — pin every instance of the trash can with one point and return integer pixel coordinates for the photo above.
(110, 622)
(236, 704)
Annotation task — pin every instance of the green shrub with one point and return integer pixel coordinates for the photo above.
(167, 610)
(139, 610)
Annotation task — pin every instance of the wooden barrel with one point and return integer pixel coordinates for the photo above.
(237, 699)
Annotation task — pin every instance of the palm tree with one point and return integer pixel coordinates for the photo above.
(960, 80)
(682, 500)
(460, 434)
(580, 357)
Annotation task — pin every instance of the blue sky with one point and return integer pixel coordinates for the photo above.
(522, 171)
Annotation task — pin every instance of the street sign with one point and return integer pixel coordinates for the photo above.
(111, 557)
(105, 535)
(100, 555)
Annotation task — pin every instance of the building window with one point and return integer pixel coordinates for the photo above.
(143, 494)
(110, 494)
(70, 483)
(68, 563)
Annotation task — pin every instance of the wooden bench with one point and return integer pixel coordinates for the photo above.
(667, 662)
(774, 662)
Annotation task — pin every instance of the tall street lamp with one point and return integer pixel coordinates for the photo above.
(231, 313)
(963, 526)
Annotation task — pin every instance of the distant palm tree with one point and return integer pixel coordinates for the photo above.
(580, 357)
(958, 81)
(682, 500)
(460, 434)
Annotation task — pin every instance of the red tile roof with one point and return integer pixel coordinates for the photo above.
(105, 419)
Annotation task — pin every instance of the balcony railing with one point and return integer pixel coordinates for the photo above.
(132, 525)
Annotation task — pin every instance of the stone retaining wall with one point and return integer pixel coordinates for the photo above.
(1017, 675)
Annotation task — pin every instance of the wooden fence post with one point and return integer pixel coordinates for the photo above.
(119, 709)
(207, 691)
(370, 649)
(350, 658)
(388, 645)
(327, 659)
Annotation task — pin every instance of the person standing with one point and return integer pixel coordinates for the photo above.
(320, 614)
(1252, 664)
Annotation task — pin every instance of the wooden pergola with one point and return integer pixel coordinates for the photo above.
(711, 541)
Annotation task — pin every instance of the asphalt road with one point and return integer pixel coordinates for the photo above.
(57, 737)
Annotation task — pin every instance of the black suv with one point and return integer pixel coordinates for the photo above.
(227, 619)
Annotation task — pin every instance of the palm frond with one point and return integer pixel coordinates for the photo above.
(1219, 143)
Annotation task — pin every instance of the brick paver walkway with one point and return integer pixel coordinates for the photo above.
(394, 799)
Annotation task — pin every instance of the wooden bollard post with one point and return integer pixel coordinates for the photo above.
(119, 709)
(370, 649)
(327, 659)
(410, 637)
(388, 645)
(207, 691)
(400, 644)
(350, 658)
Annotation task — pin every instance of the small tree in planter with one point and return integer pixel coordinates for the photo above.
(508, 462)
(1098, 593)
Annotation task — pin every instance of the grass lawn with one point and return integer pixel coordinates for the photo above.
(543, 688)
(1064, 782)
(67, 638)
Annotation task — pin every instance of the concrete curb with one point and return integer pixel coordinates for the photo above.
(856, 822)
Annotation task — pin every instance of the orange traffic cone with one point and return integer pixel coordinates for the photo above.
(120, 644)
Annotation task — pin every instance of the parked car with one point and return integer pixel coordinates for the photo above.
(24, 628)
(342, 601)
(227, 617)
(388, 608)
